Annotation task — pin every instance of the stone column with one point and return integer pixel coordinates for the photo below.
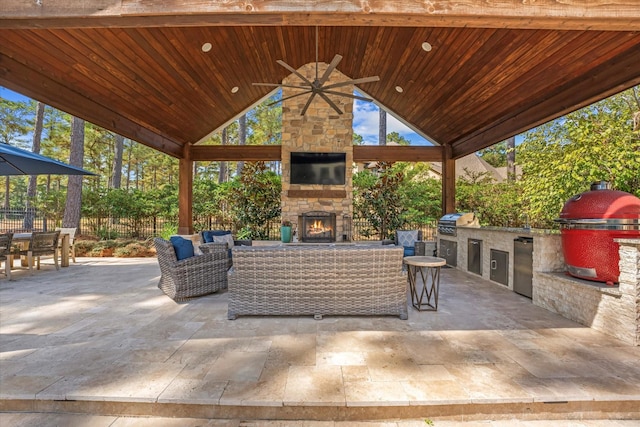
(321, 129)
(630, 279)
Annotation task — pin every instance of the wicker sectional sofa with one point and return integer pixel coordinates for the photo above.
(317, 280)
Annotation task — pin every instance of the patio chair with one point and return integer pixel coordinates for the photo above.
(223, 236)
(191, 277)
(71, 232)
(42, 243)
(410, 240)
(6, 253)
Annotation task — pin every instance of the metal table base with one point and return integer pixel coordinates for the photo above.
(427, 270)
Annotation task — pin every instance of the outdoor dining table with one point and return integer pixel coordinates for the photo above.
(24, 239)
(427, 268)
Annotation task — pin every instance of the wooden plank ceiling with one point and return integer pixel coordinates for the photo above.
(154, 84)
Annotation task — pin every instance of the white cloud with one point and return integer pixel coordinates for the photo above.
(366, 121)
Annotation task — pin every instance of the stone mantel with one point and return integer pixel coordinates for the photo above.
(319, 194)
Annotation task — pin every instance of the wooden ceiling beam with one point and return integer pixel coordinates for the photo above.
(361, 153)
(372, 153)
(621, 73)
(17, 77)
(618, 15)
(249, 153)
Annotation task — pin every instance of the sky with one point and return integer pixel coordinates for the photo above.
(366, 117)
(11, 96)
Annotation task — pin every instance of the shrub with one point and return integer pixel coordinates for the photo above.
(132, 250)
(106, 233)
(168, 230)
(123, 248)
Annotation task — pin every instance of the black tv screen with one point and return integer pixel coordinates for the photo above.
(318, 168)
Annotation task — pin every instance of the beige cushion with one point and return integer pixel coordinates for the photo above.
(227, 238)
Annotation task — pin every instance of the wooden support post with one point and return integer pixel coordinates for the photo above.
(185, 193)
(448, 180)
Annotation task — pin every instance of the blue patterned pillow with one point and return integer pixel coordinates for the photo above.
(182, 246)
(407, 237)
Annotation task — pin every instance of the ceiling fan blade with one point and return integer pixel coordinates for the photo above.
(330, 102)
(294, 71)
(348, 95)
(288, 97)
(354, 82)
(334, 63)
(281, 85)
(304, 110)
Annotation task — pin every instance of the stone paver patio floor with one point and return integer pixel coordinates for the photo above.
(100, 338)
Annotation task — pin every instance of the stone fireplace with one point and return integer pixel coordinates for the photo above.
(321, 129)
(317, 227)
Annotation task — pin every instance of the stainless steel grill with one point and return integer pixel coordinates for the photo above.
(448, 224)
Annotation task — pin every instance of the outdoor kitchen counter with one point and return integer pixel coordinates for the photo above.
(520, 231)
(608, 309)
(547, 247)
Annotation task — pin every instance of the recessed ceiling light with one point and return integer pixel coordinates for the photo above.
(426, 46)
(399, 89)
(206, 47)
(235, 89)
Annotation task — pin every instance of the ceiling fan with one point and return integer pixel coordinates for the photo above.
(317, 87)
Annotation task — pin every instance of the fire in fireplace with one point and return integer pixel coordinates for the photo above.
(317, 226)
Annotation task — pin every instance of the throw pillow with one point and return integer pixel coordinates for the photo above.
(226, 238)
(182, 246)
(208, 235)
(407, 237)
(409, 250)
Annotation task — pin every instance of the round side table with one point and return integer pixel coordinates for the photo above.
(427, 268)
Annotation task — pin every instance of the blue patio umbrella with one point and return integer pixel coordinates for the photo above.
(15, 161)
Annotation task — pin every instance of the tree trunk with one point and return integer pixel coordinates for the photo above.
(511, 159)
(116, 173)
(6, 192)
(222, 176)
(382, 130)
(27, 224)
(129, 165)
(74, 186)
(242, 139)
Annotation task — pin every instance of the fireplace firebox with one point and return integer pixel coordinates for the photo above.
(317, 227)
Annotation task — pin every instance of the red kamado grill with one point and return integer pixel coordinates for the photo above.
(589, 222)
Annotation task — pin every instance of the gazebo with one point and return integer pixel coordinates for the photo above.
(464, 74)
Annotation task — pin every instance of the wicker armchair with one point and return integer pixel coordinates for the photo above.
(42, 243)
(194, 276)
(6, 253)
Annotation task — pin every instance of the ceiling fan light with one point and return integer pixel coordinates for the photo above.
(426, 46)
(206, 47)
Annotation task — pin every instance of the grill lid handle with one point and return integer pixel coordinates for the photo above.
(600, 185)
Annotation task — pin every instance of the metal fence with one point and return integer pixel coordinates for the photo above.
(111, 228)
(362, 230)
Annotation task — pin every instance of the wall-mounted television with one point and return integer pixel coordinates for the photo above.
(318, 168)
